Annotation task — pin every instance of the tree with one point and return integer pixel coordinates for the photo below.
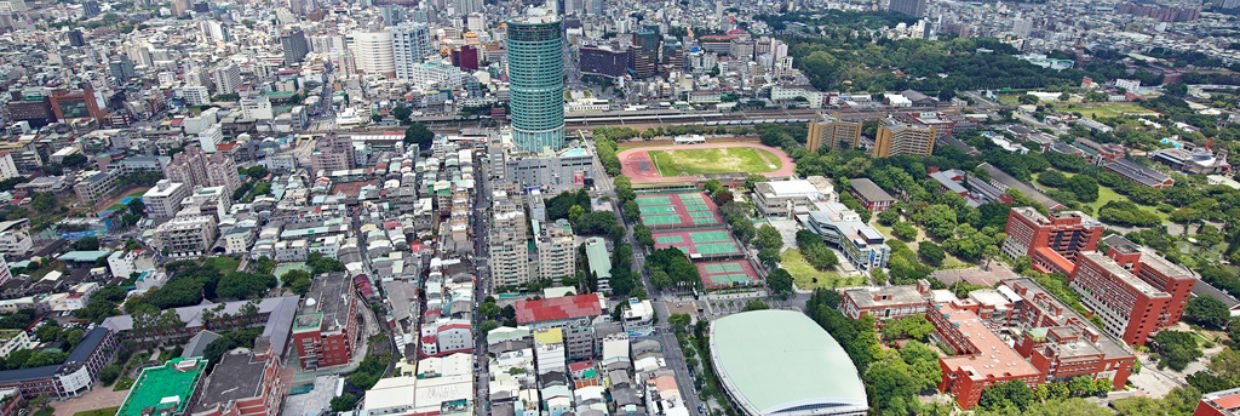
(75, 160)
(1028, 99)
(418, 134)
(299, 281)
(242, 285)
(344, 403)
(402, 113)
(1208, 312)
(931, 253)
(632, 212)
(679, 322)
(904, 231)
(768, 238)
(1176, 349)
(1012, 394)
(643, 235)
(888, 217)
(755, 305)
(86, 244)
(780, 282)
(939, 220)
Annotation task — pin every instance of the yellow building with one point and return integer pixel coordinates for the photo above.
(834, 133)
(895, 138)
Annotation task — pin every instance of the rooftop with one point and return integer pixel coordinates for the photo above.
(558, 309)
(327, 304)
(778, 361)
(869, 190)
(164, 389)
(994, 359)
(237, 376)
(891, 295)
(1115, 269)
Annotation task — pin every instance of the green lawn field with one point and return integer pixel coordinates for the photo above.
(1104, 110)
(690, 162)
(807, 277)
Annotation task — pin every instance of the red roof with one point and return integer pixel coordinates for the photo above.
(558, 309)
(1228, 402)
(580, 366)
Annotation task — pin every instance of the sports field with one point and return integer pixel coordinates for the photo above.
(690, 162)
(727, 274)
(699, 244)
(677, 210)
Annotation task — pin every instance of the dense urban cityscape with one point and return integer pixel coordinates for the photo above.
(618, 207)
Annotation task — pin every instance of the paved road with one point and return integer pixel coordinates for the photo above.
(482, 284)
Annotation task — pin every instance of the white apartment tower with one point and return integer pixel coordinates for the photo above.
(373, 52)
(411, 43)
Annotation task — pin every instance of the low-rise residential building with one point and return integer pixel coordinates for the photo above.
(572, 314)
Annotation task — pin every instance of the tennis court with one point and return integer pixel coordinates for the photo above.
(678, 210)
(727, 274)
(699, 244)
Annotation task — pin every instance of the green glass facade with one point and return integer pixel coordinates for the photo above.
(536, 83)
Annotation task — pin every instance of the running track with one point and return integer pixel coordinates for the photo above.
(635, 163)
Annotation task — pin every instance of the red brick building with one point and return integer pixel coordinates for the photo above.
(80, 103)
(243, 383)
(1062, 344)
(1219, 403)
(892, 302)
(325, 330)
(1157, 271)
(983, 359)
(1051, 243)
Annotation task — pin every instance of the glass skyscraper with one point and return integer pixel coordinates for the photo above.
(536, 82)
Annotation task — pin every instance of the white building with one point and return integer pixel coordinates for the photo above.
(15, 241)
(787, 198)
(210, 137)
(411, 43)
(372, 52)
(8, 169)
(195, 95)
(227, 79)
(186, 236)
(257, 107)
(435, 75)
(164, 199)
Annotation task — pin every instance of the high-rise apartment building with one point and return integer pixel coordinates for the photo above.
(196, 169)
(913, 8)
(557, 251)
(833, 133)
(411, 43)
(372, 51)
(536, 82)
(333, 153)
(295, 46)
(895, 138)
(227, 79)
(509, 249)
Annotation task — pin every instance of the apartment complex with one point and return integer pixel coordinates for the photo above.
(571, 314)
(895, 138)
(325, 330)
(509, 248)
(332, 153)
(834, 134)
(186, 236)
(1052, 243)
(164, 200)
(196, 169)
(557, 251)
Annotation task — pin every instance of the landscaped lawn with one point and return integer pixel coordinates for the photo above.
(107, 411)
(689, 162)
(807, 277)
(1105, 194)
(223, 264)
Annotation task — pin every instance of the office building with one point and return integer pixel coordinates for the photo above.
(1052, 244)
(465, 57)
(79, 103)
(553, 172)
(788, 198)
(411, 43)
(295, 46)
(842, 228)
(164, 199)
(603, 60)
(227, 79)
(70, 378)
(911, 8)
(557, 251)
(325, 330)
(571, 314)
(834, 134)
(536, 82)
(372, 52)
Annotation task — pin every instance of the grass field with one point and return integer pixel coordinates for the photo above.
(223, 264)
(807, 277)
(689, 162)
(1104, 110)
(1105, 194)
(107, 411)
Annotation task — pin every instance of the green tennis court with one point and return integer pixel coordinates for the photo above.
(701, 214)
(669, 239)
(659, 220)
(730, 279)
(644, 201)
(724, 268)
(658, 209)
(710, 249)
(705, 221)
(709, 236)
